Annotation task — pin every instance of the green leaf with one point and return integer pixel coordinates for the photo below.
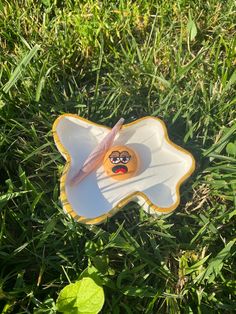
(101, 263)
(73, 311)
(231, 149)
(93, 273)
(192, 29)
(67, 297)
(216, 264)
(90, 298)
(140, 292)
(20, 68)
(46, 2)
(231, 82)
(222, 142)
(186, 68)
(83, 296)
(196, 266)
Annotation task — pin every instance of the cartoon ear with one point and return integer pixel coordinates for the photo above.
(94, 160)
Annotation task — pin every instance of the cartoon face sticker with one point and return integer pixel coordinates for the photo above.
(121, 162)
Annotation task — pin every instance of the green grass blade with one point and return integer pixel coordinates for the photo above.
(20, 68)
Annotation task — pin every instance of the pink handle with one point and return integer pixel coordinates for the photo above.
(95, 158)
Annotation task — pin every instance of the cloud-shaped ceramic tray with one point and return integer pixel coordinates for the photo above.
(163, 167)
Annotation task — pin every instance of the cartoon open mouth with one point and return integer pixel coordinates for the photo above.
(120, 169)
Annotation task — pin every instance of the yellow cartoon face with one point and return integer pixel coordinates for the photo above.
(121, 162)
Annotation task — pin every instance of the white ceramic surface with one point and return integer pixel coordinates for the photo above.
(163, 167)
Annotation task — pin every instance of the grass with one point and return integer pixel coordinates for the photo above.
(102, 60)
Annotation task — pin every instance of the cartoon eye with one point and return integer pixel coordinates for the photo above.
(124, 160)
(114, 160)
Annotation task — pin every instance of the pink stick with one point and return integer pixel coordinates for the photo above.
(95, 158)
